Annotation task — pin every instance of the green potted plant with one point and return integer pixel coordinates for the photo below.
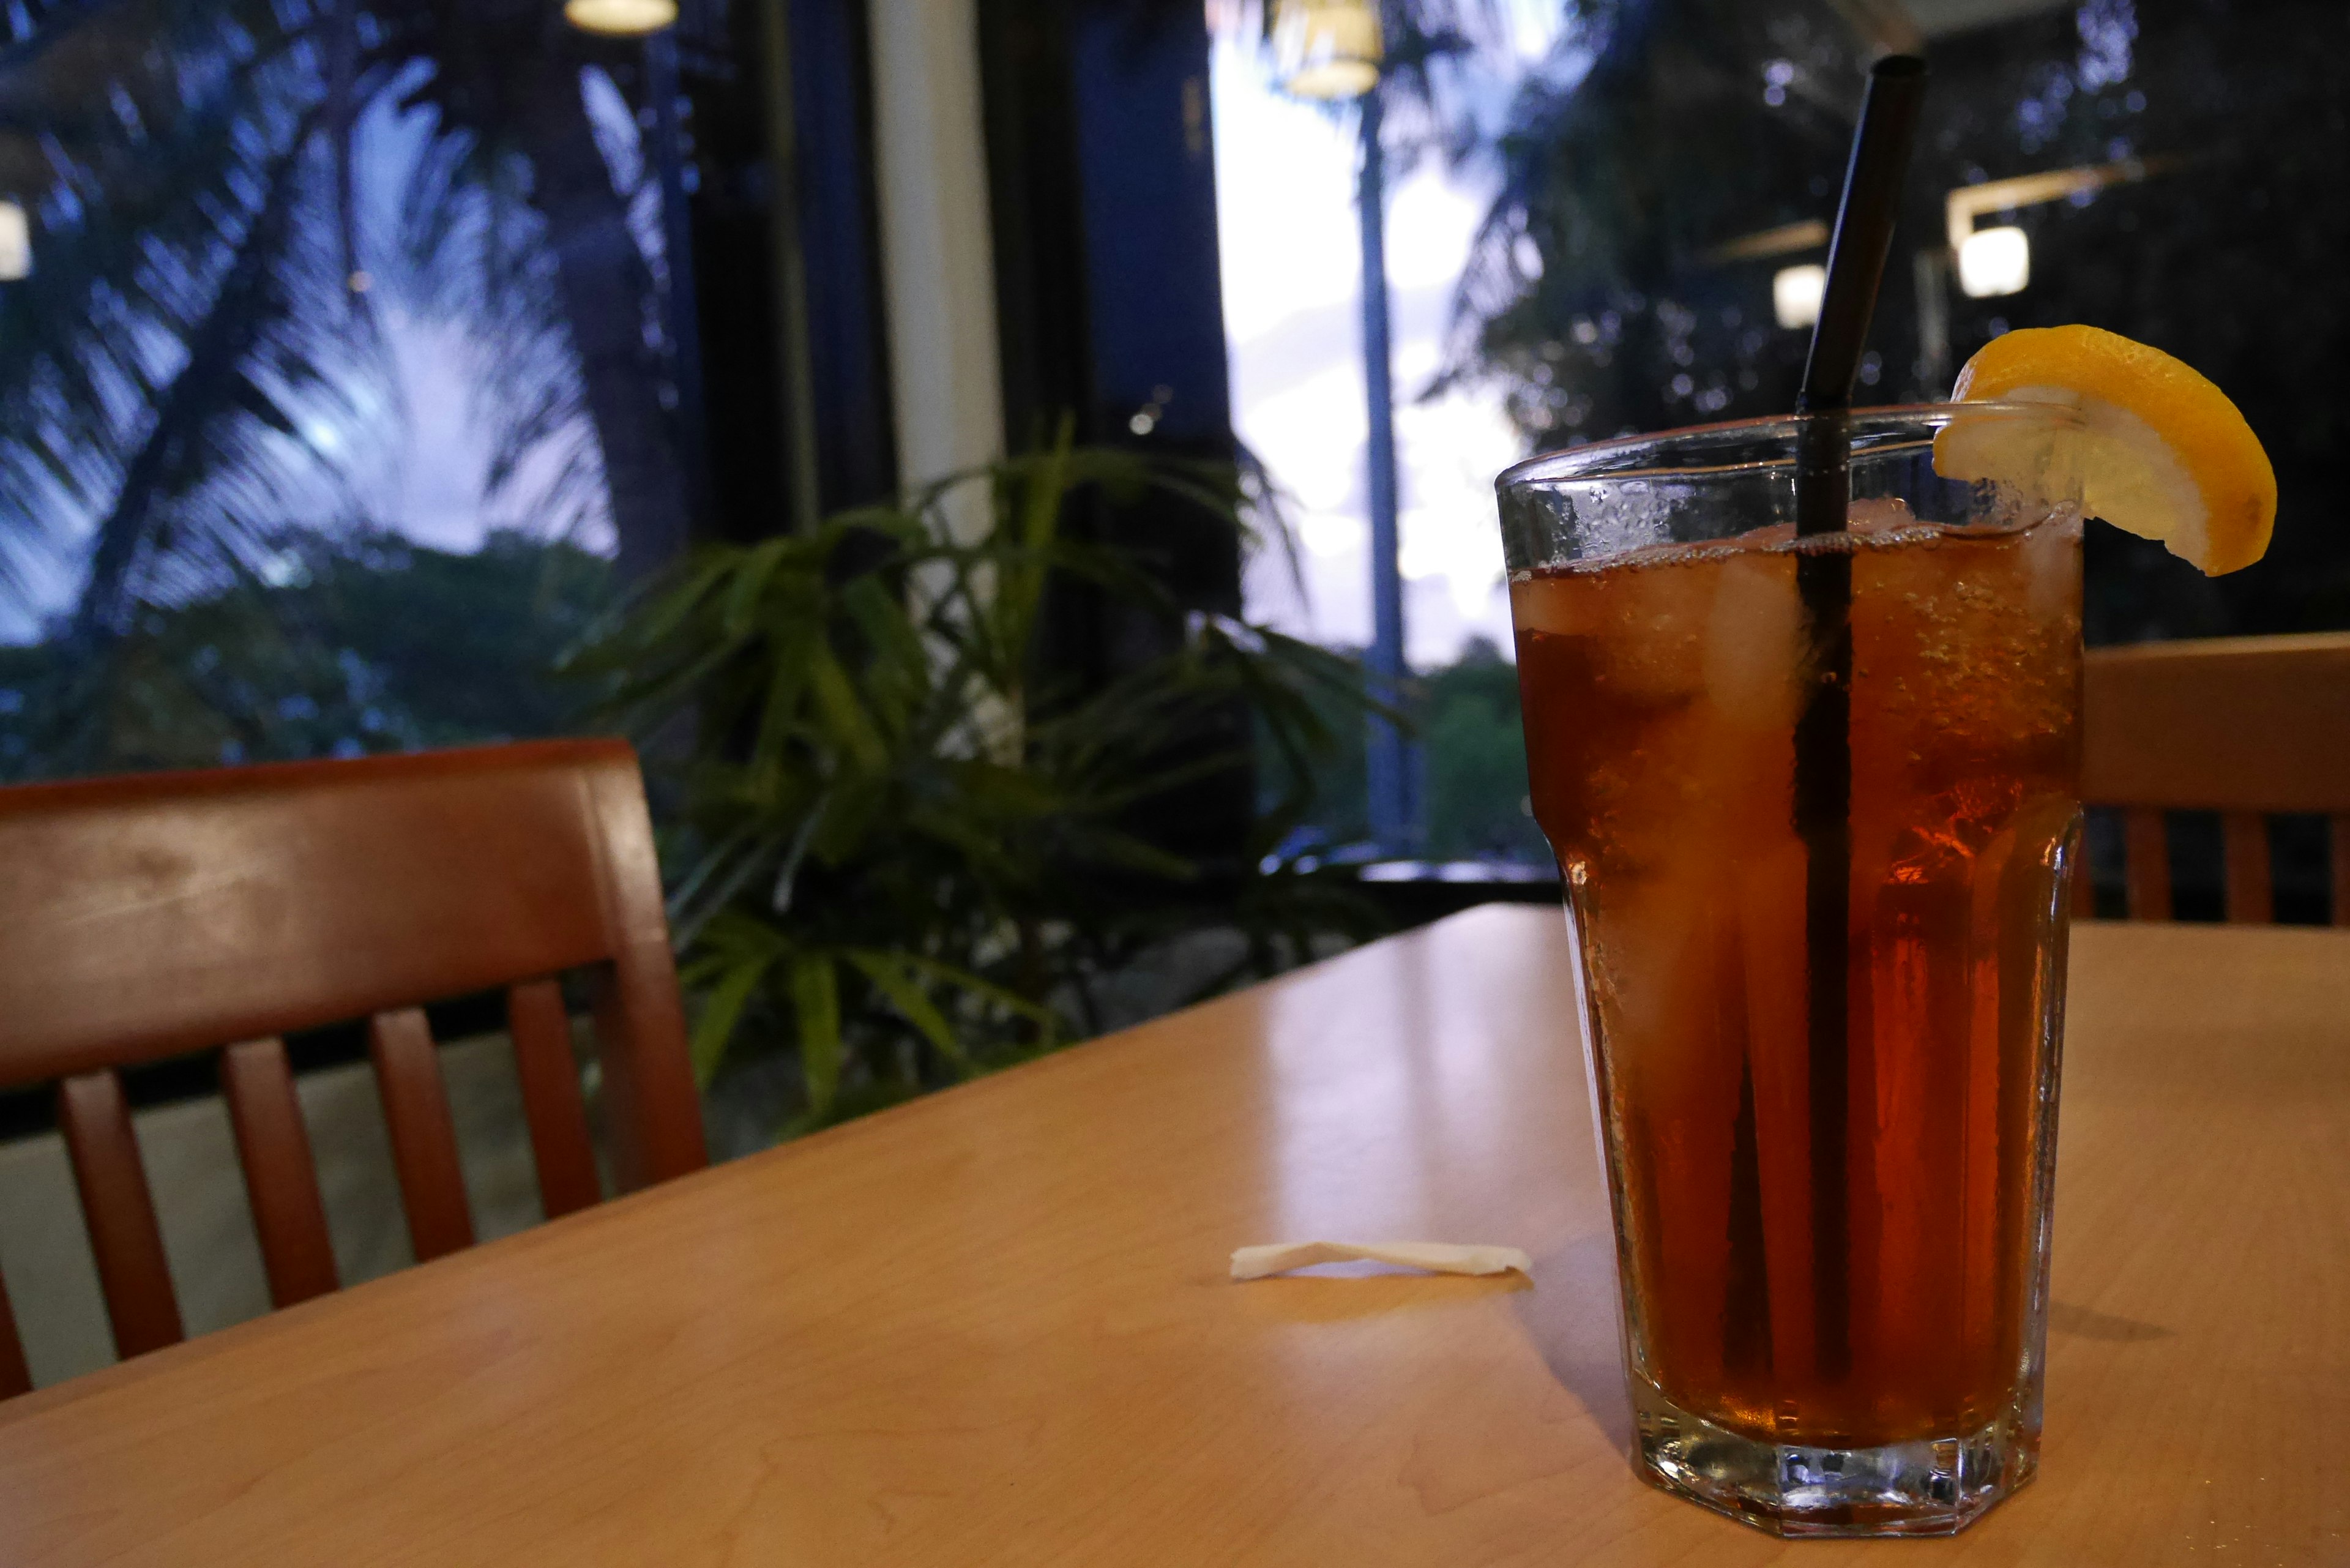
(906, 853)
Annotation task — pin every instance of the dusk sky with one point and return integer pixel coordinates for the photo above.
(415, 458)
(414, 450)
(1292, 285)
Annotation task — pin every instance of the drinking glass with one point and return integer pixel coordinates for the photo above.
(1823, 1041)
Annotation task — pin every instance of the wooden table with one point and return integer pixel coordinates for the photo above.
(994, 1326)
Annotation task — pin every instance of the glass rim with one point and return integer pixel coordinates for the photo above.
(1590, 460)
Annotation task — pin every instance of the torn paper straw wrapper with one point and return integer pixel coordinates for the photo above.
(1435, 1257)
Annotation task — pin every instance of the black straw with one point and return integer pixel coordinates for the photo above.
(1864, 230)
(1823, 785)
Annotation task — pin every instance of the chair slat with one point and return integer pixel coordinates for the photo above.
(550, 1098)
(15, 1376)
(2250, 897)
(120, 1213)
(2148, 869)
(2337, 850)
(424, 1138)
(280, 1180)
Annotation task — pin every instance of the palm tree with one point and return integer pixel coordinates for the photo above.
(1598, 293)
(199, 311)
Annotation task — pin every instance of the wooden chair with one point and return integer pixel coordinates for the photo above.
(2243, 726)
(151, 915)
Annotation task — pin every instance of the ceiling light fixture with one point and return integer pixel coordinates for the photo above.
(1992, 262)
(1327, 48)
(1796, 292)
(620, 18)
(16, 243)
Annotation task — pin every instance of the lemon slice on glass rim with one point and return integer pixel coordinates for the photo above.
(2163, 453)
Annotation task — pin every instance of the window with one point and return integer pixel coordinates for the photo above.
(337, 386)
(1608, 216)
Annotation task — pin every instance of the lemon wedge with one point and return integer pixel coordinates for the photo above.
(2163, 453)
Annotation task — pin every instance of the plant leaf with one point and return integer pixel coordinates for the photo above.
(888, 975)
(846, 720)
(816, 1005)
(713, 1031)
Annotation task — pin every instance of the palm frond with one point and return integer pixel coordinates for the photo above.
(882, 784)
(145, 207)
(194, 314)
(252, 368)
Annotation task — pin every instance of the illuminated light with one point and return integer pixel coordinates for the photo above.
(16, 243)
(1327, 48)
(620, 18)
(1994, 261)
(1795, 294)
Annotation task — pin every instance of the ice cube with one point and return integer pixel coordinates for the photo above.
(1654, 639)
(2051, 567)
(1754, 643)
(1558, 605)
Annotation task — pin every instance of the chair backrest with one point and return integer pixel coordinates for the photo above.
(2243, 726)
(151, 915)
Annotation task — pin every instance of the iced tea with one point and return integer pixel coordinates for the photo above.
(1661, 689)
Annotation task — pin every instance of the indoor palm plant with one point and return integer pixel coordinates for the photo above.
(904, 850)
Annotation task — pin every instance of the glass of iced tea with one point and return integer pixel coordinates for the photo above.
(1829, 1137)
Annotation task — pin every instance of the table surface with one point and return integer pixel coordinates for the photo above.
(994, 1326)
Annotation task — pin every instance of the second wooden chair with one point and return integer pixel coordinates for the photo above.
(2246, 727)
(152, 916)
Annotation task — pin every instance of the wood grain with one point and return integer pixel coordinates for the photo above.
(151, 914)
(2245, 726)
(2234, 723)
(994, 1326)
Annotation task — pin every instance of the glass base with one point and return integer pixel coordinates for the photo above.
(1936, 1487)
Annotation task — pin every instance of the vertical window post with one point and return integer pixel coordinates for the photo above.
(1332, 49)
